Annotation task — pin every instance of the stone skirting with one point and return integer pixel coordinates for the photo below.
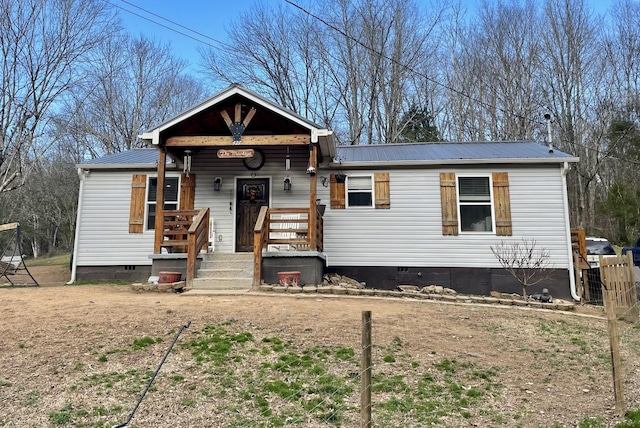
(445, 296)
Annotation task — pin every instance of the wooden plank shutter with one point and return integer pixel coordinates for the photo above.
(187, 191)
(502, 203)
(449, 203)
(138, 196)
(383, 200)
(338, 193)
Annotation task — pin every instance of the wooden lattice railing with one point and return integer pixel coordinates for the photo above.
(186, 231)
(284, 228)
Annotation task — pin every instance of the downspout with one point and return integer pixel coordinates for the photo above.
(572, 277)
(82, 174)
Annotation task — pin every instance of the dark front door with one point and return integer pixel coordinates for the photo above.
(252, 194)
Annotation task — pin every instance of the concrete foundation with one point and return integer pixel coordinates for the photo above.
(113, 273)
(171, 262)
(310, 264)
(478, 281)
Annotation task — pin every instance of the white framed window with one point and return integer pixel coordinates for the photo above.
(171, 195)
(359, 190)
(475, 206)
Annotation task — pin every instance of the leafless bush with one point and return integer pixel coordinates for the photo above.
(526, 261)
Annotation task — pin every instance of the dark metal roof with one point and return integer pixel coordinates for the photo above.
(412, 153)
(138, 157)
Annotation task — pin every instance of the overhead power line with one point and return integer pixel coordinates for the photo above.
(411, 69)
(167, 26)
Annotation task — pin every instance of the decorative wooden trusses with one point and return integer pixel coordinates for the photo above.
(237, 126)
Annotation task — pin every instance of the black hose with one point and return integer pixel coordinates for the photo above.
(133, 412)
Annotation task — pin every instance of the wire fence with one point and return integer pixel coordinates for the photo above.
(430, 364)
(299, 361)
(615, 286)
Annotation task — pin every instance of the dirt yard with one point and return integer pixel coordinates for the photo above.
(69, 358)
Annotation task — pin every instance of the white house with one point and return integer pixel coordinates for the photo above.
(248, 174)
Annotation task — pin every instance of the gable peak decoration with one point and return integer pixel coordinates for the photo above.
(237, 126)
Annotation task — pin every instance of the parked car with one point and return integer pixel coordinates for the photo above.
(635, 251)
(597, 247)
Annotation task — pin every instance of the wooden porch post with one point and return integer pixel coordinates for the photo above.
(159, 235)
(313, 195)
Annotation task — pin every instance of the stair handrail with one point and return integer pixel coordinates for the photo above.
(198, 238)
(260, 236)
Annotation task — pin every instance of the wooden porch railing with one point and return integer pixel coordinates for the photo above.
(175, 228)
(186, 231)
(260, 235)
(284, 228)
(198, 239)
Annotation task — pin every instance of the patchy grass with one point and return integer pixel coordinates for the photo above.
(59, 260)
(296, 362)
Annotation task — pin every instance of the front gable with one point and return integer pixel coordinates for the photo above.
(239, 117)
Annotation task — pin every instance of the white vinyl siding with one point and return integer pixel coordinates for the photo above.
(103, 227)
(410, 233)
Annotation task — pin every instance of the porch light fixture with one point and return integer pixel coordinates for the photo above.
(287, 184)
(324, 180)
(186, 162)
(217, 183)
(287, 161)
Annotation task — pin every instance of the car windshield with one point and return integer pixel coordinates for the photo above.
(600, 248)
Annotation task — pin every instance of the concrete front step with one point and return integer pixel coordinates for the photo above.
(242, 272)
(222, 283)
(225, 271)
(227, 256)
(226, 264)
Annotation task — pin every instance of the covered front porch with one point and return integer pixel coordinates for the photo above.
(256, 187)
(285, 231)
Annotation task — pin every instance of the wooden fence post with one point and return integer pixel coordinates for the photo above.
(615, 349)
(365, 394)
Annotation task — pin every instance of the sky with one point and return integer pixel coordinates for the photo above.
(209, 20)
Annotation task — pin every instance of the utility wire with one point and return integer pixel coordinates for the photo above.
(165, 26)
(406, 67)
(329, 25)
(179, 25)
(364, 45)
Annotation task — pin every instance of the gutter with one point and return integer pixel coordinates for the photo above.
(436, 162)
(82, 174)
(572, 272)
(89, 166)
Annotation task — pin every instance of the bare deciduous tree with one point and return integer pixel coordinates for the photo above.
(528, 263)
(42, 44)
(573, 72)
(355, 71)
(130, 85)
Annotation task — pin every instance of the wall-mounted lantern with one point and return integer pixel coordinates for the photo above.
(217, 183)
(287, 184)
(324, 180)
